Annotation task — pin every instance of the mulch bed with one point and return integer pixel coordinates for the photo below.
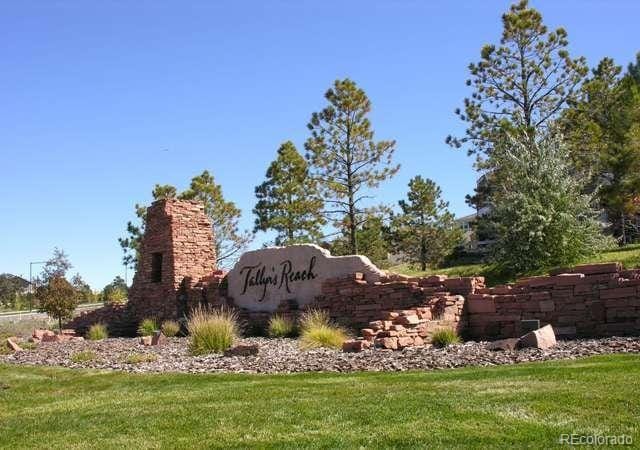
(285, 356)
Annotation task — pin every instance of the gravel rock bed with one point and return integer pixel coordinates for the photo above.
(284, 356)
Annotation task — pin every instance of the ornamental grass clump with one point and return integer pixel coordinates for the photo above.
(83, 356)
(97, 332)
(147, 327)
(170, 328)
(444, 337)
(280, 326)
(317, 330)
(212, 330)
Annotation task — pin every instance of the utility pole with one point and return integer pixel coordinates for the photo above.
(31, 264)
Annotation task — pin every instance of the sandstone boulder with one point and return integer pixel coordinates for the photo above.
(355, 345)
(541, 338)
(158, 338)
(13, 345)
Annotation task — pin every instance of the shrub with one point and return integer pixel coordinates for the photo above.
(84, 356)
(280, 326)
(137, 358)
(212, 330)
(318, 331)
(170, 328)
(97, 332)
(147, 327)
(323, 336)
(444, 337)
(313, 318)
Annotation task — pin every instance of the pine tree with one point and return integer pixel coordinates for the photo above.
(345, 157)
(373, 238)
(425, 230)
(288, 200)
(519, 86)
(601, 128)
(224, 216)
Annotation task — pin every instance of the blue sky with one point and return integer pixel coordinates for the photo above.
(92, 93)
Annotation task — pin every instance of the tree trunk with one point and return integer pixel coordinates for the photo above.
(423, 253)
(60, 323)
(622, 230)
(353, 242)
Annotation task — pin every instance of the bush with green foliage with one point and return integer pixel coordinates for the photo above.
(170, 328)
(58, 299)
(445, 337)
(280, 326)
(212, 330)
(147, 327)
(97, 332)
(316, 330)
(542, 217)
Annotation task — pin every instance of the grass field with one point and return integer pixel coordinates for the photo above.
(523, 405)
(628, 255)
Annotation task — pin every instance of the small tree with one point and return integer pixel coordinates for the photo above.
(542, 217)
(56, 266)
(115, 292)
(288, 200)
(345, 156)
(426, 231)
(83, 290)
(58, 299)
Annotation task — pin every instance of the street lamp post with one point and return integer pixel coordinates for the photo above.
(31, 264)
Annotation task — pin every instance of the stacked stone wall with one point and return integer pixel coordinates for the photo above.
(585, 301)
(355, 302)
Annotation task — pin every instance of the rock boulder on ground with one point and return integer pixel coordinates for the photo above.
(542, 338)
(13, 345)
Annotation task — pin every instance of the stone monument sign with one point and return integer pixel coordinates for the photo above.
(263, 278)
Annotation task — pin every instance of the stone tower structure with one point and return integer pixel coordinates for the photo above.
(177, 250)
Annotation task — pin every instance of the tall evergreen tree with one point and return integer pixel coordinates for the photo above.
(425, 230)
(634, 69)
(519, 86)
(373, 236)
(345, 156)
(288, 200)
(224, 216)
(602, 128)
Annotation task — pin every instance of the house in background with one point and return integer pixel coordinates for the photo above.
(475, 241)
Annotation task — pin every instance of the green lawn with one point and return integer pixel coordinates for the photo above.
(628, 255)
(523, 405)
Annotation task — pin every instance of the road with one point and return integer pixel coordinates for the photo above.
(35, 314)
